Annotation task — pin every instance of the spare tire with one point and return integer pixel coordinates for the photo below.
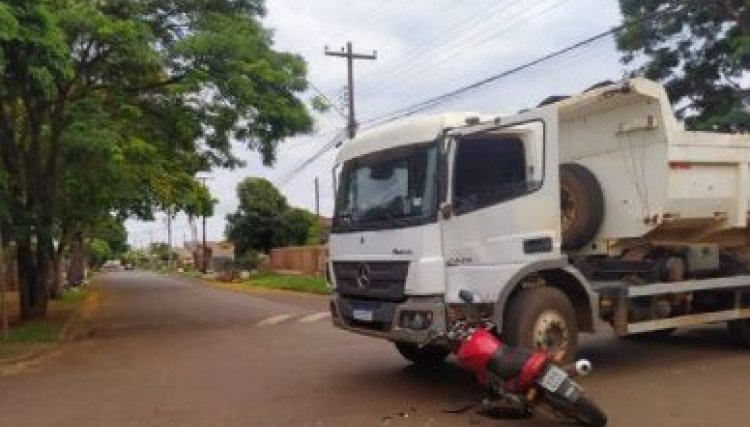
(581, 206)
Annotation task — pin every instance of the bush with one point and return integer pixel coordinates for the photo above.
(99, 252)
(250, 260)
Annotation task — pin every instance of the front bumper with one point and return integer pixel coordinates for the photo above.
(386, 315)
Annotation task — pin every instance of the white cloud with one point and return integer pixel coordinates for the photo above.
(425, 48)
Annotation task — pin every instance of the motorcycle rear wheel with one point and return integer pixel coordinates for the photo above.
(583, 410)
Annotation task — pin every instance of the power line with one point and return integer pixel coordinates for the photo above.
(327, 99)
(479, 39)
(338, 138)
(455, 37)
(464, 24)
(431, 102)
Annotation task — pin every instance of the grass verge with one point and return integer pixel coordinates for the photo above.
(34, 336)
(289, 282)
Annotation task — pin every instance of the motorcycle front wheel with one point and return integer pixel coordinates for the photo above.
(583, 410)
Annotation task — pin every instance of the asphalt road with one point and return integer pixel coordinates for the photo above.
(169, 352)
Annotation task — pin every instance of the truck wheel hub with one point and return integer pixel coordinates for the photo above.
(551, 333)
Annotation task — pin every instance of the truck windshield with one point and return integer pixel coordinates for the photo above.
(387, 189)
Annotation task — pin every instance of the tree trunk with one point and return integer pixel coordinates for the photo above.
(56, 282)
(33, 274)
(45, 253)
(77, 265)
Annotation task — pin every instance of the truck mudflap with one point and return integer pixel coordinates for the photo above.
(416, 319)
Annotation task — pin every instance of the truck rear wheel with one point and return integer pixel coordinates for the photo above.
(542, 319)
(423, 356)
(581, 206)
(740, 331)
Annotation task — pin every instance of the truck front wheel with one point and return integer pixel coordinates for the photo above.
(542, 319)
(427, 355)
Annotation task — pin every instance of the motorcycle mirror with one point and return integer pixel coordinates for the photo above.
(466, 296)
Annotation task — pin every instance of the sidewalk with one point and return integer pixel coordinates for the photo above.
(32, 339)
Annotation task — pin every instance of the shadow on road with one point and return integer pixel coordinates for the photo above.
(622, 355)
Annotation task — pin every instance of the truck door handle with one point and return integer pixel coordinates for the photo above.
(538, 245)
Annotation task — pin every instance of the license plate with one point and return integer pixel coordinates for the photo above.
(553, 378)
(363, 315)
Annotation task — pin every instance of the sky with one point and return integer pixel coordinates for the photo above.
(424, 48)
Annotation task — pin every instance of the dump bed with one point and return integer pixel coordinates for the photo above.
(660, 182)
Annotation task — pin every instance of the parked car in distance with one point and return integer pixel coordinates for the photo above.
(112, 265)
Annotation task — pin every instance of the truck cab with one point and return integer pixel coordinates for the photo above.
(431, 205)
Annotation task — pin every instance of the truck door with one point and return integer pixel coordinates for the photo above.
(502, 205)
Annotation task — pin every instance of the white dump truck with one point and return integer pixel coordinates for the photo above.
(587, 212)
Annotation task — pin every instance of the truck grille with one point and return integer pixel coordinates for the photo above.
(371, 280)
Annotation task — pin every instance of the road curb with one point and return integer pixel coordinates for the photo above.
(77, 325)
(245, 288)
(73, 325)
(8, 364)
(242, 287)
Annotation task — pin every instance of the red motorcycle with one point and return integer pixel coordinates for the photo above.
(519, 381)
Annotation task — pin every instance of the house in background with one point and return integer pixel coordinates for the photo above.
(220, 255)
(184, 257)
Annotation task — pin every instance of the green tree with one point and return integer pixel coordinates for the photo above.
(99, 252)
(258, 222)
(700, 50)
(161, 251)
(264, 220)
(114, 106)
(107, 229)
(135, 257)
(112, 230)
(299, 225)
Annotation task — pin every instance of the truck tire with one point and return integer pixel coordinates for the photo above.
(542, 319)
(739, 330)
(581, 206)
(424, 356)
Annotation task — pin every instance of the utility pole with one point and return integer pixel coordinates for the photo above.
(350, 57)
(317, 196)
(204, 251)
(169, 237)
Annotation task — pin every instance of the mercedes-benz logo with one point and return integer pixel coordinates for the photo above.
(363, 275)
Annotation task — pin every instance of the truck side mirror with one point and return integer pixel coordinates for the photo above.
(446, 210)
